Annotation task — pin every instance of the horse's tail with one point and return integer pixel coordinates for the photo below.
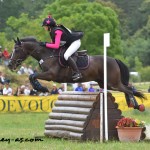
(125, 79)
(124, 72)
(139, 94)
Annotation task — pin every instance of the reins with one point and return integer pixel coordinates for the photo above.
(49, 57)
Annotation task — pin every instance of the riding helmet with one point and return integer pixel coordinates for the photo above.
(49, 22)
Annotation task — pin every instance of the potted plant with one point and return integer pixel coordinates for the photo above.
(129, 129)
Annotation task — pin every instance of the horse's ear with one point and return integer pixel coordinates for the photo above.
(15, 41)
(18, 41)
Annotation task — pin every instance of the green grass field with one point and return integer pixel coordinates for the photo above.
(30, 125)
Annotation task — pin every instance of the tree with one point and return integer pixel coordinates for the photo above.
(16, 7)
(145, 73)
(137, 47)
(8, 8)
(3, 39)
(92, 18)
(138, 64)
(134, 17)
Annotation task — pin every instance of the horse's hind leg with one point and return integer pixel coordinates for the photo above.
(130, 99)
(131, 102)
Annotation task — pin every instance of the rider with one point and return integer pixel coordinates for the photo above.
(62, 36)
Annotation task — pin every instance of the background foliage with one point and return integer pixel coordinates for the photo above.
(127, 21)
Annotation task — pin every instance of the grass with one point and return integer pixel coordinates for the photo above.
(31, 125)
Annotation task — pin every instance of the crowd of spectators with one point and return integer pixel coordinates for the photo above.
(24, 69)
(82, 87)
(6, 89)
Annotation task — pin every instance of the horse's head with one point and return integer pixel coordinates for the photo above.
(18, 55)
(29, 46)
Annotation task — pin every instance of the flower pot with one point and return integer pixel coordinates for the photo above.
(129, 134)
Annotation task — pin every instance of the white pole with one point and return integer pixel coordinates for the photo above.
(106, 44)
(101, 117)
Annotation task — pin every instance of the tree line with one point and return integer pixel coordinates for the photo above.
(127, 21)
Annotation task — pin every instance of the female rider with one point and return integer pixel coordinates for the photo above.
(60, 35)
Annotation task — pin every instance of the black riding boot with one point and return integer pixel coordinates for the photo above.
(76, 74)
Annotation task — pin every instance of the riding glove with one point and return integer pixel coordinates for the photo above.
(42, 43)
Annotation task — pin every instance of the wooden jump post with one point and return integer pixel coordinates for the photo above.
(76, 115)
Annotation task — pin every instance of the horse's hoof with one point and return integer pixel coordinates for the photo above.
(131, 105)
(141, 107)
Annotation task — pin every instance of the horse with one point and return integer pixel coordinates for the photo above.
(53, 70)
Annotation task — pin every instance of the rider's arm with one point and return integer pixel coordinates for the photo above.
(57, 40)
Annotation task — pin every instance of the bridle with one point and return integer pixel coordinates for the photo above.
(18, 61)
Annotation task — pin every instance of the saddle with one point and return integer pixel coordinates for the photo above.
(80, 57)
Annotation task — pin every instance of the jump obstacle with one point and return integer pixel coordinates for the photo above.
(76, 115)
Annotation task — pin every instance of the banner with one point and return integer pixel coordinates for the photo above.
(27, 103)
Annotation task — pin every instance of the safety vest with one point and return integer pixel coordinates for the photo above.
(67, 37)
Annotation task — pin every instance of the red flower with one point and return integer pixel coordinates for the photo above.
(129, 122)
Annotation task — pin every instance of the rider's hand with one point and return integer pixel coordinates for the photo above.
(42, 43)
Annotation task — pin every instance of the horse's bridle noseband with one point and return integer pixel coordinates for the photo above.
(18, 62)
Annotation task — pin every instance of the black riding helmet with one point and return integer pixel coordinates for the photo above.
(49, 22)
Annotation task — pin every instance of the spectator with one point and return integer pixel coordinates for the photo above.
(33, 92)
(1, 88)
(6, 56)
(6, 78)
(61, 89)
(20, 90)
(91, 89)
(27, 89)
(79, 87)
(23, 69)
(2, 79)
(30, 70)
(84, 87)
(17, 93)
(7, 90)
(54, 89)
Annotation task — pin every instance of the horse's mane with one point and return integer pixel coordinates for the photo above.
(28, 39)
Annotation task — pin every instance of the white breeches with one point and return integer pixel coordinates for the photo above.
(72, 49)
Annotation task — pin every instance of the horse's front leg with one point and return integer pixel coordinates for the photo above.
(36, 84)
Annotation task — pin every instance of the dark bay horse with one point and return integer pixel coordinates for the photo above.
(117, 78)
